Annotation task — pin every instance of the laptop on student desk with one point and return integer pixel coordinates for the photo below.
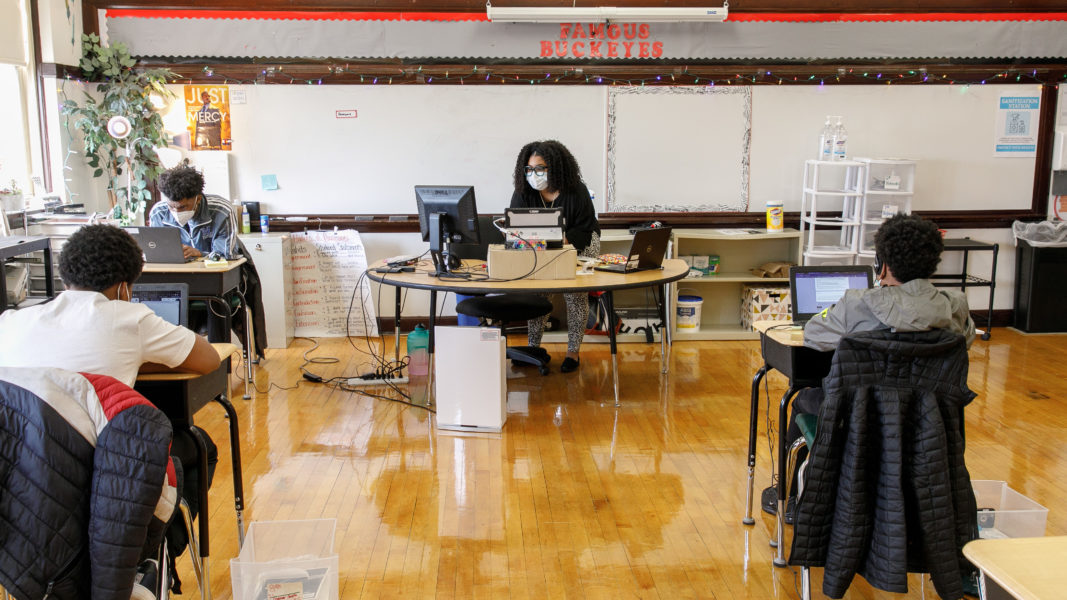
(168, 300)
(159, 244)
(646, 252)
(816, 288)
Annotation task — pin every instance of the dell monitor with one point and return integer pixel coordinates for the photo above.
(447, 215)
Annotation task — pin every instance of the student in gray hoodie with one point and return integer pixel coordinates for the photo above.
(907, 251)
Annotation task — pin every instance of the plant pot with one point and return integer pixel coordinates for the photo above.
(11, 202)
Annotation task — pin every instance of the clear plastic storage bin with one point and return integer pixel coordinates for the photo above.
(1005, 513)
(278, 555)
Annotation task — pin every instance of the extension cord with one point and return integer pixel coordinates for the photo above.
(360, 382)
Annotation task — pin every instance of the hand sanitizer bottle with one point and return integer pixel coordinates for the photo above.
(840, 141)
(826, 149)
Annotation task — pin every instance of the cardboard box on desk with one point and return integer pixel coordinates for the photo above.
(560, 263)
(765, 303)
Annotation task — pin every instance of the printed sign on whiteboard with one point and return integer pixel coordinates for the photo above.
(346, 114)
(1017, 120)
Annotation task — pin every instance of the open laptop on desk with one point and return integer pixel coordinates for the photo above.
(160, 244)
(646, 252)
(168, 300)
(816, 288)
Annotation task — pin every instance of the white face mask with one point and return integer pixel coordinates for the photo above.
(537, 182)
(182, 217)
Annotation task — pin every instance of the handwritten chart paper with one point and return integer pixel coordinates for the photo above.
(326, 266)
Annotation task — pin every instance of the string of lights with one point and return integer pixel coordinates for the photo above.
(332, 74)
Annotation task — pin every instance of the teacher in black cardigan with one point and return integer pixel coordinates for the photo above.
(547, 176)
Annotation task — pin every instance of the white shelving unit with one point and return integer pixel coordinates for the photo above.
(831, 210)
(888, 187)
(738, 252)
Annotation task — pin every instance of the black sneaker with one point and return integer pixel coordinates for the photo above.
(769, 504)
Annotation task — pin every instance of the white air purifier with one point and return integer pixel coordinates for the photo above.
(470, 378)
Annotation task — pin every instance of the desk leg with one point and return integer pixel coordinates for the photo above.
(235, 459)
(202, 518)
(753, 414)
(250, 347)
(665, 332)
(609, 305)
(430, 398)
(396, 328)
(783, 493)
(49, 281)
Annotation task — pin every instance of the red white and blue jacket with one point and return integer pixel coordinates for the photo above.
(87, 486)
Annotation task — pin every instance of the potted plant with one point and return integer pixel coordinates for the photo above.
(123, 91)
(11, 197)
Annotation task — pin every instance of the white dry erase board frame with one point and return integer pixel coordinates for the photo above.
(470, 135)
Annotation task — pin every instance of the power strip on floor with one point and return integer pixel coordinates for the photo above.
(360, 382)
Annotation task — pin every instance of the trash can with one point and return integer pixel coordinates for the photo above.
(1040, 276)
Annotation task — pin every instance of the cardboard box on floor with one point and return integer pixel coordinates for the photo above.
(560, 263)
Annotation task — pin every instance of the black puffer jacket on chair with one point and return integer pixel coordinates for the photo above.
(887, 491)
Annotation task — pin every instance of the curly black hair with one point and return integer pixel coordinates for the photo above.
(97, 257)
(181, 182)
(563, 171)
(910, 245)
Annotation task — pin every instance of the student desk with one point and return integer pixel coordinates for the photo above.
(1025, 568)
(782, 347)
(17, 245)
(180, 396)
(214, 284)
(673, 270)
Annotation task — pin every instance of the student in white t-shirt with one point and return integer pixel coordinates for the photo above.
(92, 327)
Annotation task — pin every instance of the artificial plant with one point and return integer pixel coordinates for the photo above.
(123, 91)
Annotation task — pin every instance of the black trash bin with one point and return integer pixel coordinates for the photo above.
(1040, 288)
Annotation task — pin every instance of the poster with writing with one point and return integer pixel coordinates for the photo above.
(207, 116)
(326, 265)
(1017, 118)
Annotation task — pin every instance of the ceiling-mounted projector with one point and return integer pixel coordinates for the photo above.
(601, 14)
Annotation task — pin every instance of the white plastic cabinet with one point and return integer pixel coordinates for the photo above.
(888, 188)
(738, 251)
(270, 255)
(831, 210)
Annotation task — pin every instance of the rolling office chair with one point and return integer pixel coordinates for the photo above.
(887, 488)
(503, 308)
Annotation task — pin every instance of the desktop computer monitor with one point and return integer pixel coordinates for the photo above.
(447, 215)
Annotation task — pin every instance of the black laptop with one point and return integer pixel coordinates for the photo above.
(159, 244)
(168, 300)
(816, 288)
(646, 252)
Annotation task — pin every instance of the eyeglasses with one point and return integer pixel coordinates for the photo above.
(539, 169)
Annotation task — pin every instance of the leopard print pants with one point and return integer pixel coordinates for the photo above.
(577, 310)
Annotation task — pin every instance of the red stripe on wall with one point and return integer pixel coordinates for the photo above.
(738, 17)
(292, 15)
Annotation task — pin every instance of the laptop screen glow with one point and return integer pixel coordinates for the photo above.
(165, 303)
(817, 291)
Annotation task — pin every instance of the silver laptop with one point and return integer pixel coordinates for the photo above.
(646, 252)
(159, 244)
(816, 288)
(168, 300)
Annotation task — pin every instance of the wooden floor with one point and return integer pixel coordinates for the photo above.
(577, 498)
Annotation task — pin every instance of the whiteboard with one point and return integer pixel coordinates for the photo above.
(695, 148)
(683, 148)
(402, 136)
(948, 129)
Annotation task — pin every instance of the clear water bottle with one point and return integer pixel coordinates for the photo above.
(826, 140)
(418, 352)
(840, 141)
